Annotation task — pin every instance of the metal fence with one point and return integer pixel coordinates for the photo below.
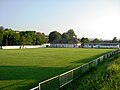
(59, 81)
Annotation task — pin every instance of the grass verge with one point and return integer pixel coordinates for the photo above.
(106, 76)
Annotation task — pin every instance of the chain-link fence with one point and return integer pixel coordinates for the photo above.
(59, 81)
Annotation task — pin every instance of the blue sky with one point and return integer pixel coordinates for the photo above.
(88, 18)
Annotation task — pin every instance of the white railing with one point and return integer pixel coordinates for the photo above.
(61, 80)
(35, 88)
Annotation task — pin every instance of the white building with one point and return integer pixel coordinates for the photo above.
(65, 43)
(101, 45)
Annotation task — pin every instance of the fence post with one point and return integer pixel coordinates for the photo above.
(59, 81)
(39, 86)
(72, 75)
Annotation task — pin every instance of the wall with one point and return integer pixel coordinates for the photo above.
(25, 46)
(10, 47)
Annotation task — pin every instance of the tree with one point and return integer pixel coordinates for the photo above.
(23, 40)
(1, 37)
(54, 35)
(96, 40)
(84, 40)
(71, 33)
(32, 38)
(8, 37)
(65, 36)
(114, 40)
(11, 37)
(17, 39)
(119, 40)
(40, 38)
(29, 36)
(1, 28)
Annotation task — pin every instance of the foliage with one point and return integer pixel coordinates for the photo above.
(1, 28)
(40, 38)
(115, 40)
(54, 35)
(1, 36)
(96, 40)
(24, 68)
(10, 37)
(71, 33)
(84, 40)
(65, 36)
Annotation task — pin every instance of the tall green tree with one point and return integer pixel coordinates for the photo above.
(23, 40)
(96, 40)
(17, 39)
(1, 34)
(84, 40)
(29, 37)
(54, 35)
(40, 38)
(115, 40)
(71, 33)
(1, 28)
(119, 40)
(65, 36)
(8, 37)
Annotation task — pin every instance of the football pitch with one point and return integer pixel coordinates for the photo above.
(22, 69)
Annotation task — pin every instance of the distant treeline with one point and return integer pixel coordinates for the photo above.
(12, 37)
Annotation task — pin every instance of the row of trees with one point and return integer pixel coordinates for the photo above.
(71, 34)
(96, 40)
(10, 37)
(66, 35)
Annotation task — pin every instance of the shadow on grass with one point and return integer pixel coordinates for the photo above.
(85, 60)
(28, 73)
(26, 76)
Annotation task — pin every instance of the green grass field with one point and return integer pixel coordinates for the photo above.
(106, 76)
(24, 68)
